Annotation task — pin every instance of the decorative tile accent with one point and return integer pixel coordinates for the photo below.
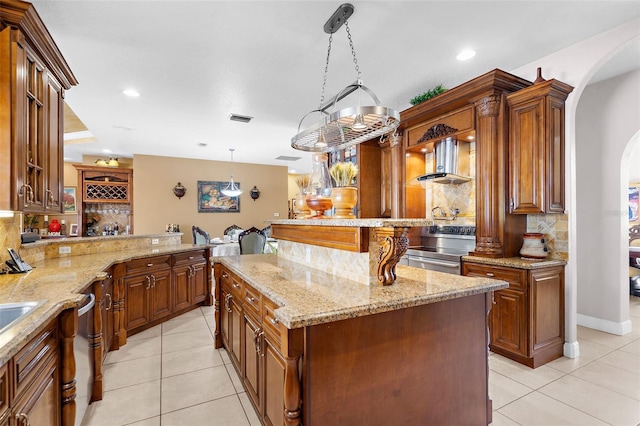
(555, 228)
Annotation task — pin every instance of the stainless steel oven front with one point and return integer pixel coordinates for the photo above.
(442, 248)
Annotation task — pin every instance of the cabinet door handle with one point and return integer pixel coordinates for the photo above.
(110, 301)
(490, 274)
(511, 205)
(149, 265)
(148, 280)
(109, 276)
(190, 257)
(235, 285)
(27, 192)
(256, 336)
(262, 343)
(225, 275)
(153, 277)
(250, 299)
(23, 419)
(273, 321)
(227, 299)
(48, 191)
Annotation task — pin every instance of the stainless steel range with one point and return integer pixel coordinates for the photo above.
(442, 248)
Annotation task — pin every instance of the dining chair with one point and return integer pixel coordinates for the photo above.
(200, 236)
(230, 229)
(252, 241)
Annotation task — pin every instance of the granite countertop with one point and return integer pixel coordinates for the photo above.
(72, 239)
(362, 223)
(308, 296)
(58, 284)
(515, 262)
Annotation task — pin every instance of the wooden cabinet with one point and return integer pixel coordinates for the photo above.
(41, 405)
(190, 279)
(4, 395)
(367, 157)
(34, 75)
(150, 290)
(35, 379)
(475, 109)
(231, 315)
(536, 148)
(526, 322)
(386, 177)
(147, 291)
(251, 334)
(104, 188)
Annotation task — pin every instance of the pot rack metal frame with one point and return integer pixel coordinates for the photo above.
(339, 129)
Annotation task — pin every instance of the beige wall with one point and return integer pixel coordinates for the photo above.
(155, 206)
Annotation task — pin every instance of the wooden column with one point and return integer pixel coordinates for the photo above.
(490, 178)
(96, 342)
(68, 327)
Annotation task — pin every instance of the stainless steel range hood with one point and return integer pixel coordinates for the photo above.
(448, 178)
(446, 164)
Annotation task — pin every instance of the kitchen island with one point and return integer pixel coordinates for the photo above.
(315, 347)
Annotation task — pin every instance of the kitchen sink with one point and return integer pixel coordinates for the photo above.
(10, 313)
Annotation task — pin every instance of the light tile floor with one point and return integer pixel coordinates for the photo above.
(171, 375)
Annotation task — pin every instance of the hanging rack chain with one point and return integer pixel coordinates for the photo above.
(353, 51)
(326, 70)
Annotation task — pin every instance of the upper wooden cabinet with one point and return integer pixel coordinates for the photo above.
(105, 185)
(33, 78)
(476, 108)
(536, 148)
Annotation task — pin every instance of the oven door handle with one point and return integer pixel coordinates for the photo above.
(435, 262)
(83, 310)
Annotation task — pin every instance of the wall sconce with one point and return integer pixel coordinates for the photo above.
(179, 190)
(255, 193)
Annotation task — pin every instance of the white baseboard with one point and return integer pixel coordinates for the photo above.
(571, 349)
(618, 328)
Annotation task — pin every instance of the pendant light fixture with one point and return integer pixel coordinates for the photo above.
(231, 190)
(347, 126)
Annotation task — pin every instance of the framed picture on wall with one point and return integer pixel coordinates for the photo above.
(69, 199)
(212, 200)
(634, 204)
(73, 231)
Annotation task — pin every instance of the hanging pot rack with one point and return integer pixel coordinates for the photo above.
(347, 126)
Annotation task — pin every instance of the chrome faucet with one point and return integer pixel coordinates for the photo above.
(443, 215)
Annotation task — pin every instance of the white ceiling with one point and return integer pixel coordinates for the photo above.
(196, 62)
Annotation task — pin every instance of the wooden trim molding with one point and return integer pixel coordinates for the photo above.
(354, 239)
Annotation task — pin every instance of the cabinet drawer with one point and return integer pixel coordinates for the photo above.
(33, 357)
(269, 321)
(231, 282)
(251, 300)
(190, 257)
(515, 277)
(141, 266)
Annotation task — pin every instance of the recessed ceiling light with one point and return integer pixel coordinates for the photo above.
(131, 93)
(106, 151)
(423, 150)
(202, 144)
(466, 54)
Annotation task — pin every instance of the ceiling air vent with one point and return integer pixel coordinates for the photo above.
(287, 158)
(240, 118)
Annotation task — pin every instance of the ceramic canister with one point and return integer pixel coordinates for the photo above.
(533, 246)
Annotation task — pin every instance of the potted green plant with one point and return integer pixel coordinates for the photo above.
(344, 196)
(30, 222)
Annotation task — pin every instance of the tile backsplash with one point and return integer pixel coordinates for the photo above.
(9, 236)
(555, 228)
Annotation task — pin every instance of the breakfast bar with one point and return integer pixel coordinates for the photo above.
(317, 341)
